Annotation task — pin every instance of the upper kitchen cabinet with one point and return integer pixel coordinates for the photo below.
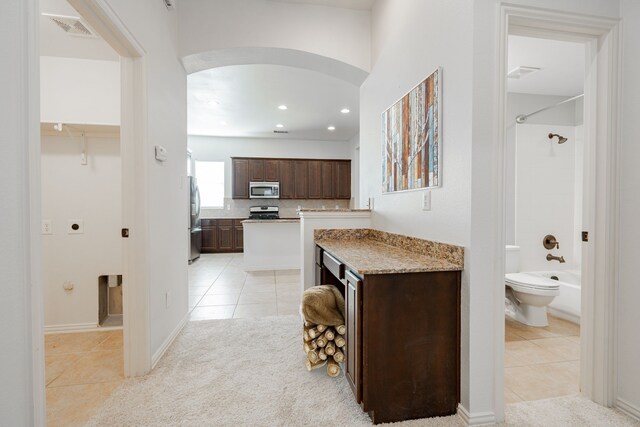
(342, 179)
(298, 178)
(240, 180)
(285, 170)
(271, 170)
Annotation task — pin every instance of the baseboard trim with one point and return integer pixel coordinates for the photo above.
(628, 408)
(564, 315)
(476, 419)
(165, 345)
(78, 327)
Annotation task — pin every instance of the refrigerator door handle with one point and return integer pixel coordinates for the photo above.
(197, 202)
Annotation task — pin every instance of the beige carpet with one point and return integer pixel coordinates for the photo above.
(250, 372)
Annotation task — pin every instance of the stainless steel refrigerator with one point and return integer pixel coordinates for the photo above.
(195, 230)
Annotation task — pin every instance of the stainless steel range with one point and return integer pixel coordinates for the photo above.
(264, 212)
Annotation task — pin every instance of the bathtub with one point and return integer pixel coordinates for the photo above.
(567, 304)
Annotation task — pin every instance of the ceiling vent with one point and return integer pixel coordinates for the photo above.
(521, 71)
(280, 131)
(171, 4)
(71, 25)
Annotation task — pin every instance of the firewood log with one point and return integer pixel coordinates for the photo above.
(313, 357)
(330, 348)
(322, 340)
(305, 336)
(338, 356)
(330, 334)
(308, 324)
(341, 329)
(321, 328)
(340, 341)
(311, 366)
(322, 354)
(333, 369)
(308, 346)
(313, 333)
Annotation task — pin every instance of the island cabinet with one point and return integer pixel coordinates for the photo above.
(222, 235)
(402, 341)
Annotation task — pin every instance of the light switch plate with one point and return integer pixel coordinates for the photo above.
(161, 153)
(47, 227)
(426, 201)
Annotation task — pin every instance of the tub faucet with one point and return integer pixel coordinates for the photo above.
(555, 258)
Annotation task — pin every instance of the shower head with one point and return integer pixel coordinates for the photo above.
(561, 139)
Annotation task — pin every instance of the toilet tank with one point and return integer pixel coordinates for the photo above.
(512, 259)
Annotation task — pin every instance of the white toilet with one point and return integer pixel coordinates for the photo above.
(528, 293)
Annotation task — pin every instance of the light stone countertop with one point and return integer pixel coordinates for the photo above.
(334, 210)
(374, 252)
(273, 221)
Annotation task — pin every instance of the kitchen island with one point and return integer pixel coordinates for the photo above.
(271, 244)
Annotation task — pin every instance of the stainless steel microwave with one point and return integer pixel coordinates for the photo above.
(264, 190)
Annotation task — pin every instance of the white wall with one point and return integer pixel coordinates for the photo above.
(628, 289)
(21, 358)
(545, 196)
(79, 91)
(355, 171)
(164, 193)
(91, 193)
(341, 34)
(520, 103)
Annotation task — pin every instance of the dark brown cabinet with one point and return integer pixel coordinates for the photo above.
(315, 179)
(271, 170)
(222, 235)
(240, 180)
(402, 328)
(298, 178)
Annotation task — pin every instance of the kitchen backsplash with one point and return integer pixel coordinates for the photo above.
(239, 208)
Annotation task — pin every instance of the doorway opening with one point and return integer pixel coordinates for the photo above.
(544, 205)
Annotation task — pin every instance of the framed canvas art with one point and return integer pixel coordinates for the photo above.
(411, 138)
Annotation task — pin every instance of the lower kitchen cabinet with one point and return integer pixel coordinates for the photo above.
(222, 235)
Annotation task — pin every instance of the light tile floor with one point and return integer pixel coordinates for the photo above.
(81, 371)
(219, 288)
(541, 362)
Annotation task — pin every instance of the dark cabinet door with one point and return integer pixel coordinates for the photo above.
(240, 181)
(353, 370)
(285, 169)
(327, 179)
(342, 179)
(256, 170)
(225, 235)
(209, 236)
(271, 171)
(300, 179)
(315, 179)
(238, 235)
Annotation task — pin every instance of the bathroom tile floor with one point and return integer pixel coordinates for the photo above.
(541, 362)
(219, 288)
(81, 371)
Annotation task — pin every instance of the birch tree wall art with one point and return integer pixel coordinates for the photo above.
(411, 139)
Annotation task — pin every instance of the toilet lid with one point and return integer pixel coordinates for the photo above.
(531, 281)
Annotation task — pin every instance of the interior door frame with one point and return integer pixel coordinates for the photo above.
(135, 206)
(602, 133)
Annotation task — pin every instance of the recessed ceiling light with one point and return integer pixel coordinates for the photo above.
(345, 111)
(282, 107)
(279, 125)
(331, 128)
(223, 123)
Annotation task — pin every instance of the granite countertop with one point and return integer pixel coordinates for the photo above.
(276, 221)
(373, 252)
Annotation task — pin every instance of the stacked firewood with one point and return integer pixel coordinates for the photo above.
(324, 345)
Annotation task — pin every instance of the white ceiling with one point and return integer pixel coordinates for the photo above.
(347, 4)
(55, 42)
(561, 66)
(246, 98)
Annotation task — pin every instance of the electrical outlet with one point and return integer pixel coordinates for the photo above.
(46, 226)
(426, 201)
